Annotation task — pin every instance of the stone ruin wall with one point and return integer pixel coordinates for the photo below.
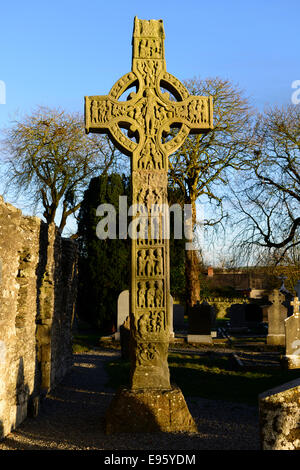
(279, 417)
(38, 276)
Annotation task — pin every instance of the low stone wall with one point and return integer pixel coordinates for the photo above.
(38, 275)
(280, 417)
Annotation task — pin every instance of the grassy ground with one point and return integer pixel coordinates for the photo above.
(211, 377)
(83, 342)
(216, 378)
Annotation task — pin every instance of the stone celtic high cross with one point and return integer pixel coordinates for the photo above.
(138, 127)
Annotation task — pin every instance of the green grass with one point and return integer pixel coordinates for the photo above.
(118, 372)
(85, 342)
(210, 377)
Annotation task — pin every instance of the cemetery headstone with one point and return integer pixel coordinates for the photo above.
(146, 116)
(292, 337)
(253, 314)
(277, 313)
(200, 320)
(237, 315)
(178, 317)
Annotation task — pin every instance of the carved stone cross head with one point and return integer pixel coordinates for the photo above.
(138, 125)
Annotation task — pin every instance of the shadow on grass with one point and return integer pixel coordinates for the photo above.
(214, 378)
(83, 342)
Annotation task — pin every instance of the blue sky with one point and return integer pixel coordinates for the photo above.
(55, 52)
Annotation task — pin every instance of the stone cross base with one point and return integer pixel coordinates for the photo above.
(291, 361)
(150, 410)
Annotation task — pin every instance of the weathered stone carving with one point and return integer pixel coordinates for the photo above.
(146, 353)
(151, 322)
(150, 262)
(138, 127)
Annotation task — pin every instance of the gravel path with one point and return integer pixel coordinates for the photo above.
(72, 418)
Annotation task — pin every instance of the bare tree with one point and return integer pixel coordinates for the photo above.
(201, 167)
(50, 158)
(267, 200)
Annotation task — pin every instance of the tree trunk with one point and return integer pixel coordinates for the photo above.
(63, 222)
(50, 213)
(192, 267)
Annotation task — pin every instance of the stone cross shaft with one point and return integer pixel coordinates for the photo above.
(139, 126)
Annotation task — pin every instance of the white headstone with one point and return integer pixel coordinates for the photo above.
(277, 313)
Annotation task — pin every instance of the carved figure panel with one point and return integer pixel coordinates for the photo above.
(150, 262)
(152, 232)
(153, 180)
(150, 293)
(146, 353)
(149, 48)
(151, 322)
(151, 198)
(151, 158)
(149, 71)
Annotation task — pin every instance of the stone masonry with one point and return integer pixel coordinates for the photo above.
(280, 417)
(38, 275)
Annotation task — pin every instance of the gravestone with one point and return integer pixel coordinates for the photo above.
(122, 311)
(200, 320)
(277, 313)
(253, 314)
(237, 315)
(178, 317)
(146, 117)
(292, 337)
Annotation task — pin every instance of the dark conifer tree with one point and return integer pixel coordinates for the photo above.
(104, 266)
